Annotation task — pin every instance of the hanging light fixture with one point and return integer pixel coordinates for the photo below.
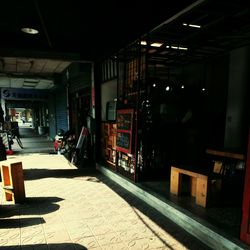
(30, 31)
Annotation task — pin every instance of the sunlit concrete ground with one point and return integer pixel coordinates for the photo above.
(67, 208)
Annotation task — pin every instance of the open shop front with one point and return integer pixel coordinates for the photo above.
(175, 132)
(80, 111)
(118, 121)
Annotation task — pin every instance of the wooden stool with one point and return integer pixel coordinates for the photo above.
(199, 184)
(12, 181)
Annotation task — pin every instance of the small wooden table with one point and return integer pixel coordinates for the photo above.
(199, 184)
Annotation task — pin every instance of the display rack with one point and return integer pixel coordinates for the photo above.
(109, 143)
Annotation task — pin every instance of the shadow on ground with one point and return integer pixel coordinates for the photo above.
(62, 246)
(35, 173)
(31, 206)
(91, 174)
(48, 205)
(23, 222)
(167, 225)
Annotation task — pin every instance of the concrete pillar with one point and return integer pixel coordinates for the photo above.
(236, 116)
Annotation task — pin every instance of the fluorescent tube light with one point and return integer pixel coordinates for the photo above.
(179, 47)
(156, 44)
(192, 25)
(183, 48)
(195, 26)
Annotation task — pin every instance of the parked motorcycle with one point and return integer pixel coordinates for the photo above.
(58, 141)
(65, 143)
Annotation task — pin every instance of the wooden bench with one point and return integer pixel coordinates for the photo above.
(203, 183)
(198, 183)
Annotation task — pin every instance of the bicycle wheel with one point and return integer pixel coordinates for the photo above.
(19, 142)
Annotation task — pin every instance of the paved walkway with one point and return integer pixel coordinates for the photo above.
(32, 142)
(67, 208)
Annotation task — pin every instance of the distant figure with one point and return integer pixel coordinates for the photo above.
(23, 119)
(1, 115)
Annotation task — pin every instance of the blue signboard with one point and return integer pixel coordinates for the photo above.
(24, 94)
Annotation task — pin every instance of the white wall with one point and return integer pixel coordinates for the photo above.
(108, 93)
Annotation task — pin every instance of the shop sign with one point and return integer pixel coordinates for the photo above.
(23, 94)
(124, 130)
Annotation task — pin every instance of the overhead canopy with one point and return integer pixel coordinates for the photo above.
(204, 29)
(92, 30)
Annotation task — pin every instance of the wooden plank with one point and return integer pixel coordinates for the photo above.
(193, 186)
(19, 190)
(225, 154)
(6, 178)
(201, 192)
(188, 172)
(9, 196)
(218, 167)
(175, 182)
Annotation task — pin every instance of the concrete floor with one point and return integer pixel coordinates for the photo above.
(70, 208)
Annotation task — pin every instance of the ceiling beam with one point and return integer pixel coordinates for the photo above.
(45, 30)
(179, 14)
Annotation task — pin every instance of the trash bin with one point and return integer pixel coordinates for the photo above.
(42, 130)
